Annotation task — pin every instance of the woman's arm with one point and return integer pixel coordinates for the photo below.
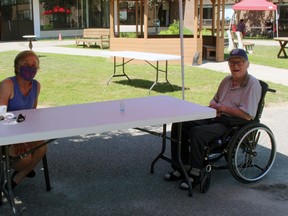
(6, 91)
(38, 92)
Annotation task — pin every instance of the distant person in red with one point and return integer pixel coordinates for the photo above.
(270, 29)
(241, 27)
(234, 27)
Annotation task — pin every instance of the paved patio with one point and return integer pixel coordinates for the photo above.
(108, 174)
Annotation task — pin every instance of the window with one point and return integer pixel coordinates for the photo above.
(17, 10)
(283, 18)
(73, 14)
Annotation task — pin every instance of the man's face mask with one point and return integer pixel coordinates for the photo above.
(27, 73)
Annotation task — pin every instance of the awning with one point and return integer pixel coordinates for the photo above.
(261, 5)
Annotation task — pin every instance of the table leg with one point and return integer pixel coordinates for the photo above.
(6, 173)
(1, 174)
(179, 162)
(157, 75)
(190, 193)
(166, 75)
(161, 154)
(123, 69)
(30, 43)
(282, 48)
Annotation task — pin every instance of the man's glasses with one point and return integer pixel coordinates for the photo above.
(238, 63)
(20, 118)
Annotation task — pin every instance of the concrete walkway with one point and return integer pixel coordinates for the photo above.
(265, 73)
(108, 174)
(53, 46)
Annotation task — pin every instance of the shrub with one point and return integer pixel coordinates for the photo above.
(128, 34)
(174, 29)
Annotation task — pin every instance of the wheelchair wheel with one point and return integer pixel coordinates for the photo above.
(251, 152)
(205, 183)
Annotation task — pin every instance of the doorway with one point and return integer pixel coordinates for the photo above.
(16, 19)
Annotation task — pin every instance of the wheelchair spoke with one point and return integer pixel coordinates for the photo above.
(255, 165)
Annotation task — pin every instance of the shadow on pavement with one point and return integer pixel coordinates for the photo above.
(161, 87)
(109, 174)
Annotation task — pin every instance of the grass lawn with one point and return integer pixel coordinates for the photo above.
(67, 79)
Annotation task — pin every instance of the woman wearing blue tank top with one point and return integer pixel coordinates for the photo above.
(21, 92)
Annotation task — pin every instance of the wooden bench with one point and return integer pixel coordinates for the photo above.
(210, 52)
(246, 45)
(96, 36)
(239, 42)
(209, 47)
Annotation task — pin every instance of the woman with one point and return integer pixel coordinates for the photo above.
(21, 92)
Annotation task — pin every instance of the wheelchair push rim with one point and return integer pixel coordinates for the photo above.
(251, 153)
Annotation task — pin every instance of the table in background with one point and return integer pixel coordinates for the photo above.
(30, 38)
(81, 119)
(145, 56)
(283, 41)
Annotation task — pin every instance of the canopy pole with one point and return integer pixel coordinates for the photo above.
(181, 46)
(277, 17)
(231, 20)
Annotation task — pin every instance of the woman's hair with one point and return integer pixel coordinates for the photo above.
(21, 57)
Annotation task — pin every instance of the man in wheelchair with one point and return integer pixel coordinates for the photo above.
(237, 96)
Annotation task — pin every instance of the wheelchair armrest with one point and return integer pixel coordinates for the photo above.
(238, 121)
(231, 121)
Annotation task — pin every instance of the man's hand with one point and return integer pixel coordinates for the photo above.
(230, 111)
(217, 108)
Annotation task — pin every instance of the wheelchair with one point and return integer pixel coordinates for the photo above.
(249, 148)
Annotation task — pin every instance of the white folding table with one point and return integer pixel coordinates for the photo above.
(145, 56)
(81, 119)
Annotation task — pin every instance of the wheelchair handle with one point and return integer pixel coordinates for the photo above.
(271, 90)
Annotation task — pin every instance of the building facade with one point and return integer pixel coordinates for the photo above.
(49, 18)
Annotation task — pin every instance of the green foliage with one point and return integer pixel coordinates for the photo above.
(173, 29)
(206, 32)
(128, 34)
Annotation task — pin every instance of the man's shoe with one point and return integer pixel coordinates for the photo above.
(195, 180)
(173, 176)
(31, 174)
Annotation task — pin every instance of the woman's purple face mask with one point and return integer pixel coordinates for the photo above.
(27, 73)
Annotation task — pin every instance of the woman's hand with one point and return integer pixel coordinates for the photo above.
(21, 148)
